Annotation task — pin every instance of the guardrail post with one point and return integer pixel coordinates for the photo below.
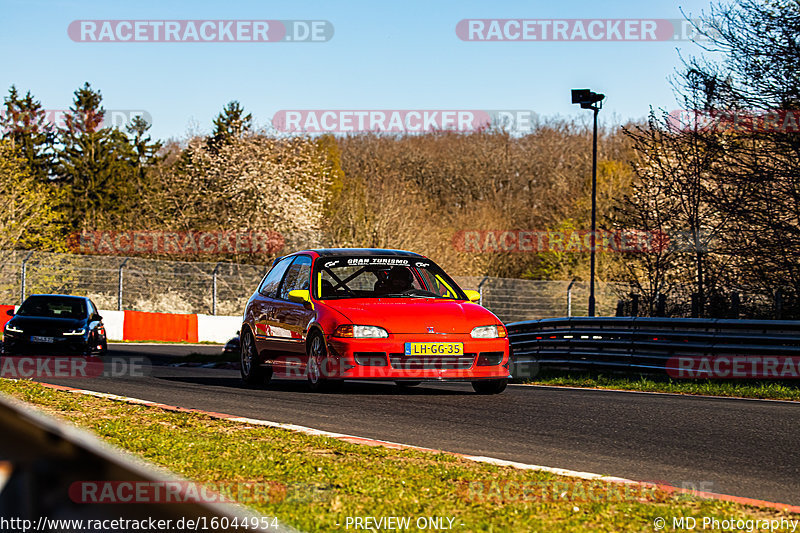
(735, 304)
(24, 275)
(214, 290)
(119, 285)
(569, 296)
(661, 305)
(480, 288)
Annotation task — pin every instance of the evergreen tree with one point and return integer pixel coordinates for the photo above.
(24, 124)
(97, 164)
(145, 150)
(230, 124)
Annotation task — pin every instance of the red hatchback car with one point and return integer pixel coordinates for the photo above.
(336, 314)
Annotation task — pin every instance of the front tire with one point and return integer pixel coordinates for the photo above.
(252, 373)
(317, 366)
(490, 386)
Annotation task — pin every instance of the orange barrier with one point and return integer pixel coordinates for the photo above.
(141, 326)
(4, 315)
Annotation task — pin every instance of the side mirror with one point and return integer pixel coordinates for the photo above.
(96, 317)
(10, 312)
(300, 296)
(474, 296)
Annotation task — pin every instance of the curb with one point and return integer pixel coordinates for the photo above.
(399, 446)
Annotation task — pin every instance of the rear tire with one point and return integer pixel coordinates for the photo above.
(252, 373)
(490, 386)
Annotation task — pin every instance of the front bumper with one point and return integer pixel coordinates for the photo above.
(384, 359)
(22, 344)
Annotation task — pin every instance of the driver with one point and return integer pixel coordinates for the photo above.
(399, 280)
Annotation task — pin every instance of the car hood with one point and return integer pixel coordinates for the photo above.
(415, 315)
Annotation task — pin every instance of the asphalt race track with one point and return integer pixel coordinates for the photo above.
(747, 448)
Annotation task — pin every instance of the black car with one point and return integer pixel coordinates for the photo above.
(233, 346)
(55, 323)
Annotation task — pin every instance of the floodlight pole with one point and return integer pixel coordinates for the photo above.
(593, 237)
(594, 101)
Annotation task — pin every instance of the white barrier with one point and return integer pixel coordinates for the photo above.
(210, 328)
(217, 328)
(114, 322)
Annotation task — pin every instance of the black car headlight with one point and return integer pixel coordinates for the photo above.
(12, 330)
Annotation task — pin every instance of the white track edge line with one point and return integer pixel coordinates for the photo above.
(322, 433)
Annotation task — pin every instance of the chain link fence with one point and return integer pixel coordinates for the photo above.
(521, 299)
(133, 283)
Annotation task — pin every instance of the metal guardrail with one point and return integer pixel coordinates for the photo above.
(42, 457)
(642, 345)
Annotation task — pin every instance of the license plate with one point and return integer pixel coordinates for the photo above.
(434, 348)
(42, 339)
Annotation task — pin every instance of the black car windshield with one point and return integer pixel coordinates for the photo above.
(53, 307)
(382, 277)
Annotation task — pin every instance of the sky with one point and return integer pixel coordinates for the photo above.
(382, 56)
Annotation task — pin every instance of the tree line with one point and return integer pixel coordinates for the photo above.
(719, 181)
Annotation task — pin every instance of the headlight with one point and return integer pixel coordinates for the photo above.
(488, 332)
(12, 329)
(75, 332)
(360, 332)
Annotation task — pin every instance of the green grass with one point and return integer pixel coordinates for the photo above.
(772, 390)
(328, 480)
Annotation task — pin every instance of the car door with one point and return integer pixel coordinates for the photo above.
(292, 318)
(262, 307)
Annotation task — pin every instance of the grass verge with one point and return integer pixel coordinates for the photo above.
(768, 390)
(327, 480)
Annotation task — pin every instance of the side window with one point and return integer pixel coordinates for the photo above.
(92, 308)
(436, 284)
(269, 287)
(298, 276)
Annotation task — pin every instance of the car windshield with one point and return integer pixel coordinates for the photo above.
(382, 277)
(53, 307)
